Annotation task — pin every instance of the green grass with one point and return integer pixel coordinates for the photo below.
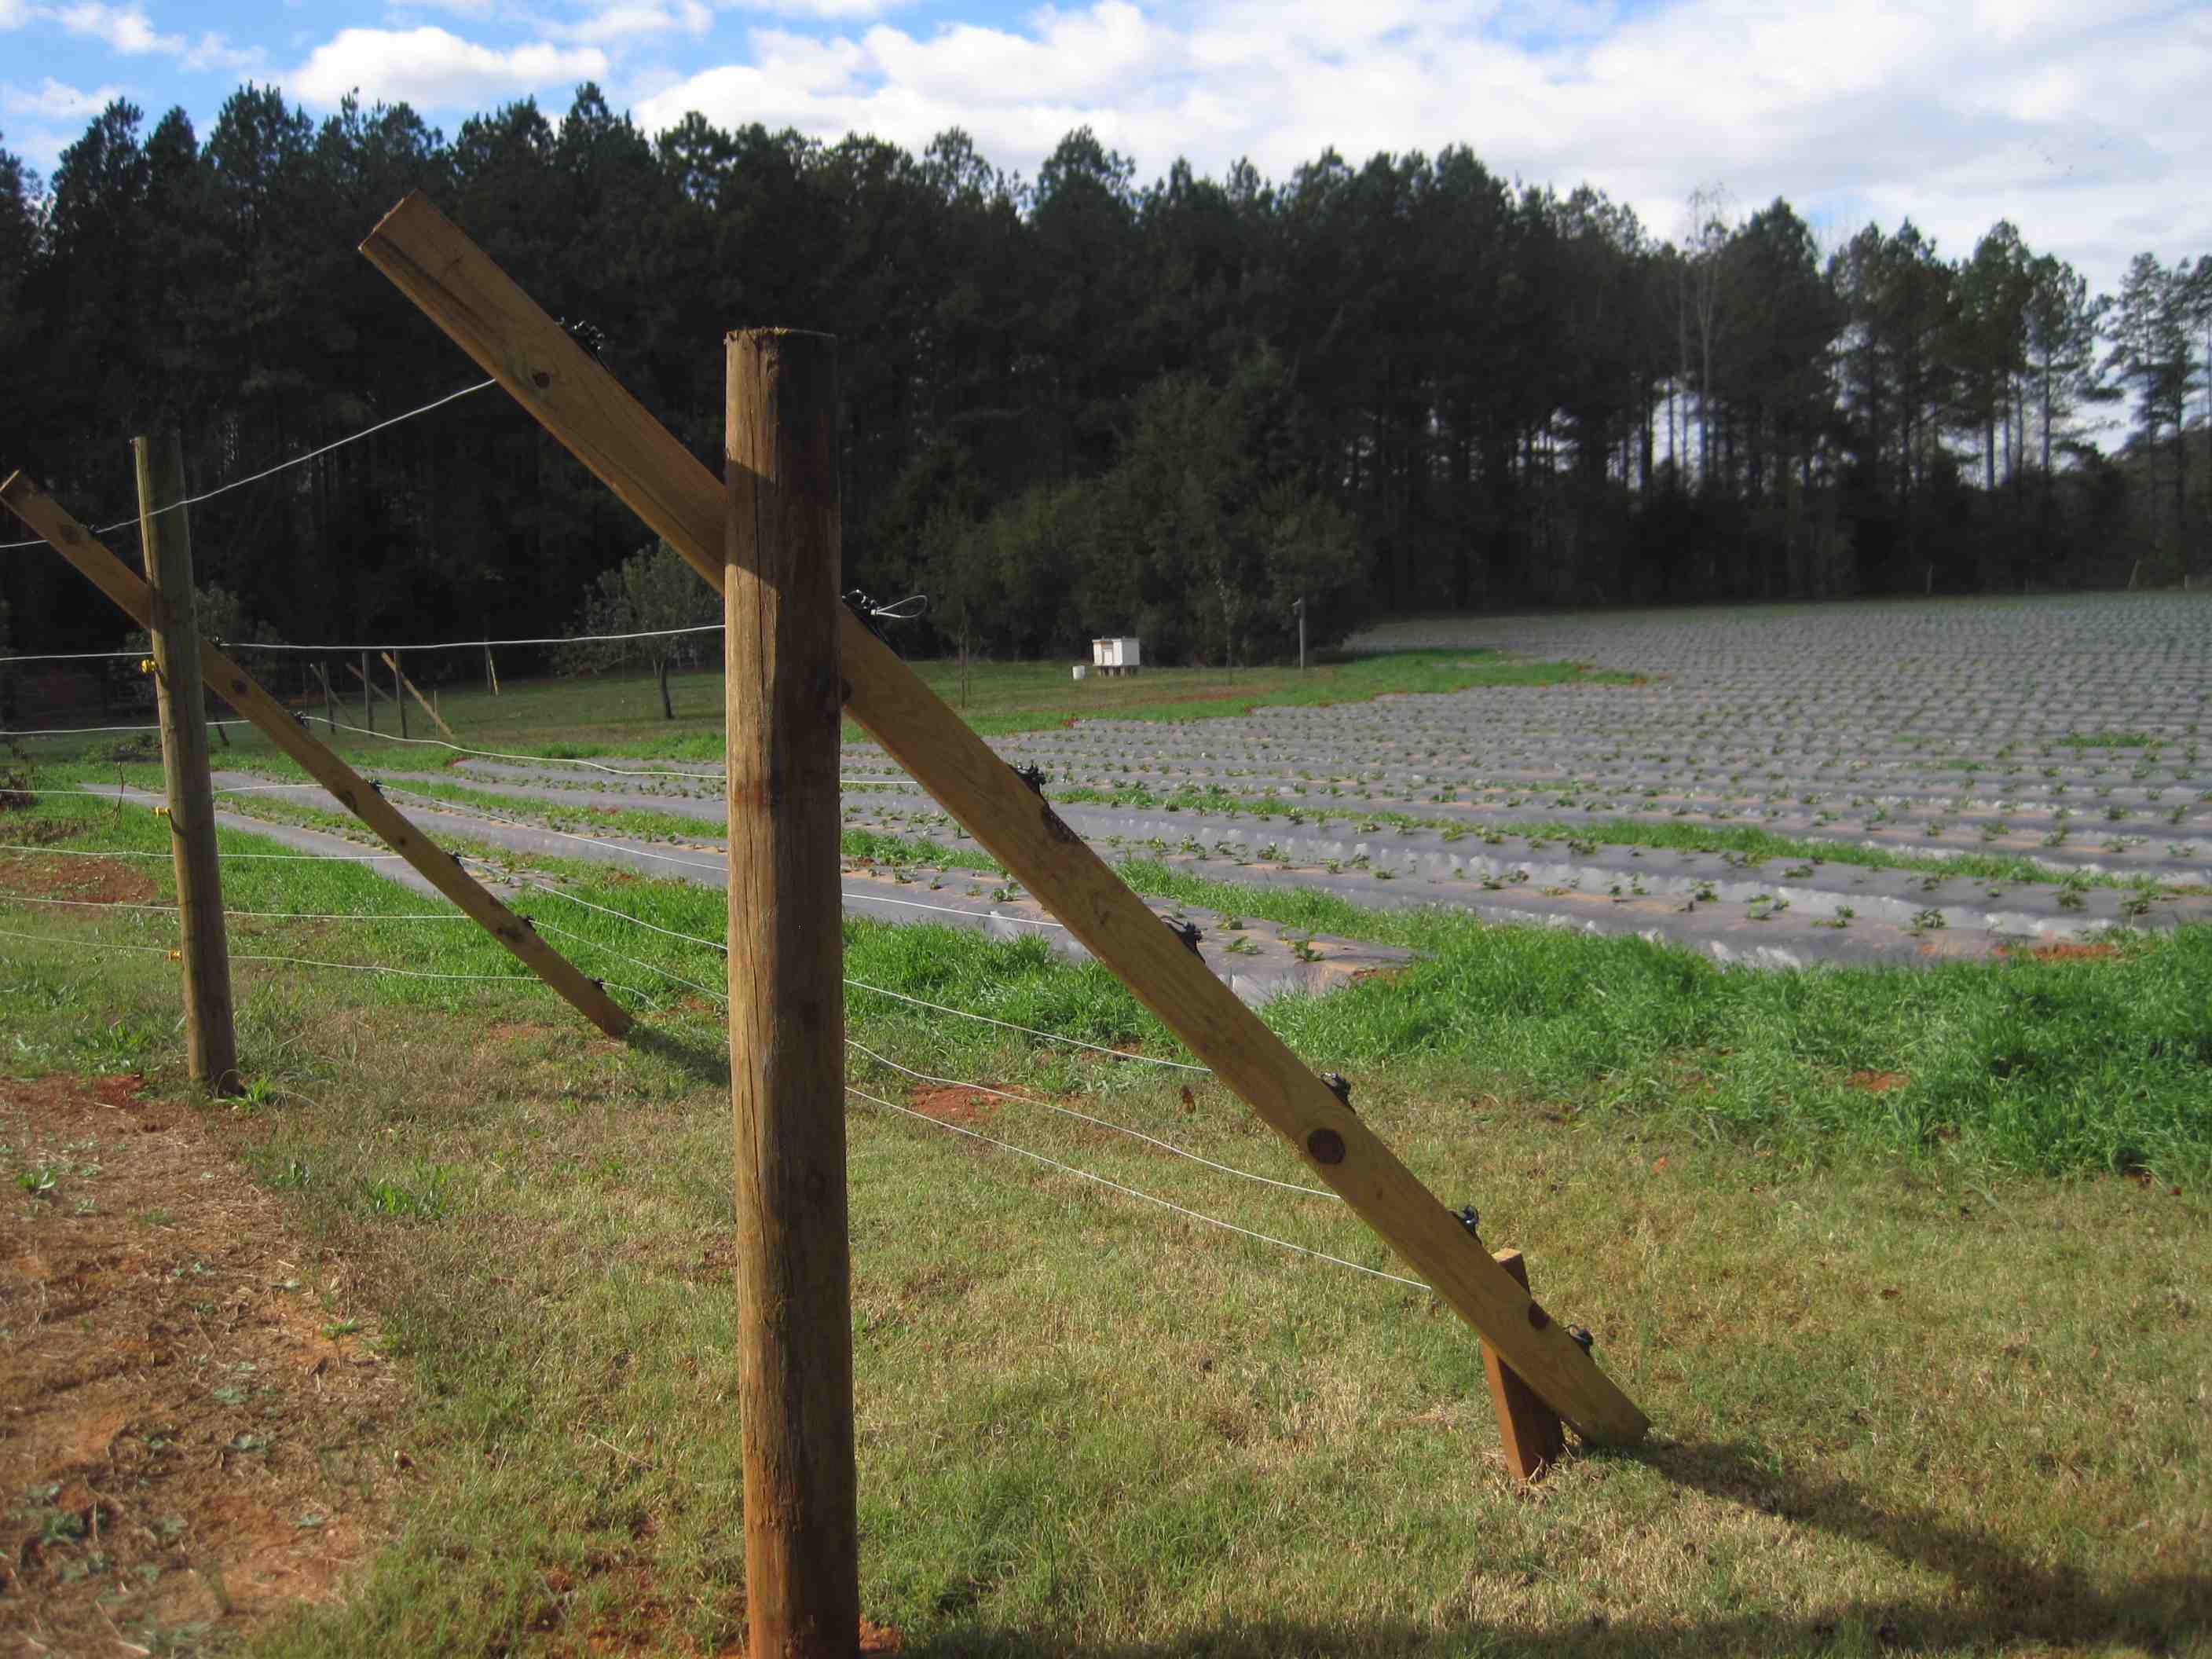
(2109, 740)
(1911, 1388)
(622, 715)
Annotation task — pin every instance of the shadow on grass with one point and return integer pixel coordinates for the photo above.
(707, 1062)
(1998, 1598)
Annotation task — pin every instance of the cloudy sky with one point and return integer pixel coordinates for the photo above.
(2089, 123)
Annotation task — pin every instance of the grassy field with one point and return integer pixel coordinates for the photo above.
(1907, 1270)
(621, 714)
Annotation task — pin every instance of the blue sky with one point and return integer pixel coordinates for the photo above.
(2088, 126)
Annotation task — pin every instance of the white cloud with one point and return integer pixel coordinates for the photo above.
(56, 102)
(2089, 130)
(123, 27)
(126, 29)
(626, 20)
(431, 69)
(212, 50)
(826, 10)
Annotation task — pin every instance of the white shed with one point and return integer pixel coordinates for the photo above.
(1117, 656)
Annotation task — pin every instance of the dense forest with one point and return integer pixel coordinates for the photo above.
(1077, 404)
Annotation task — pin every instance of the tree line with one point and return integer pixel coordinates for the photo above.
(1080, 404)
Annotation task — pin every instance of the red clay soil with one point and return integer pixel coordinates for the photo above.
(192, 1443)
(2065, 953)
(952, 1105)
(93, 881)
(1878, 1083)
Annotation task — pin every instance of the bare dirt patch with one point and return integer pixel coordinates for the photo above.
(2064, 952)
(91, 881)
(952, 1105)
(196, 1429)
(1877, 1083)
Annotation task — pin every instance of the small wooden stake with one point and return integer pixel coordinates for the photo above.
(330, 698)
(491, 671)
(1529, 1428)
(368, 686)
(398, 700)
(793, 1266)
(210, 1037)
(409, 686)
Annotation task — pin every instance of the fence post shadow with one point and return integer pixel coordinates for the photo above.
(709, 1062)
(1997, 1597)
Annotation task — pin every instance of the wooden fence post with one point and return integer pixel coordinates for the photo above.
(550, 375)
(787, 996)
(1527, 1427)
(442, 869)
(398, 691)
(415, 691)
(368, 697)
(210, 1037)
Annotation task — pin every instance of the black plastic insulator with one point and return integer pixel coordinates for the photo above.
(1471, 1218)
(1187, 932)
(1032, 776)
(1582, 1335)
(590, 336)
(1340, 1086)
(865, 608)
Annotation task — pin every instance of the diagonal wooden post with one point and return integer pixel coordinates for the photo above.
(355, 792)
(210, 1034)
(793, 1260)
(480, 306)
(410, 687)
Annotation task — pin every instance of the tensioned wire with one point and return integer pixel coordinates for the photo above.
(526, 979)
(925, 1077)
(898, 611)
(77, 730)
(354, 650)
(467, 809)
(1005, 1145)
(271, 472)
(1132, 1192)
(253, 916)
(289, 857)
(549, 760)
(884, 991)
(1097, 1122)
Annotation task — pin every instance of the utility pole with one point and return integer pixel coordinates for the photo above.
(210, 1037)
(794, 1256)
